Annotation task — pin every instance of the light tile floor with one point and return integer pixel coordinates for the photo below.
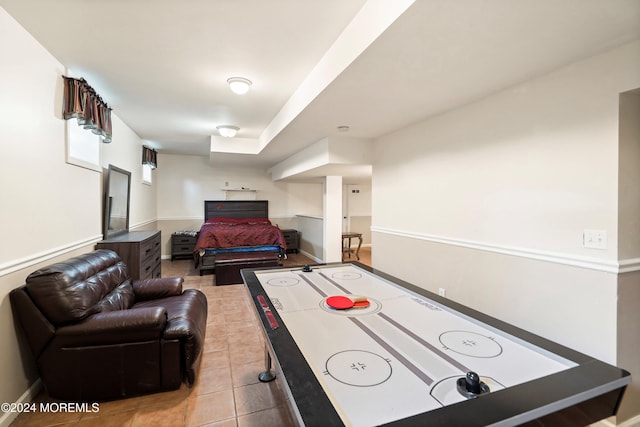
(227, 392)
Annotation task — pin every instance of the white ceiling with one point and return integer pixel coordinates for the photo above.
(162, 65)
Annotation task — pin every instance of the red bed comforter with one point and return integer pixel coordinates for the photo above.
(232, 232)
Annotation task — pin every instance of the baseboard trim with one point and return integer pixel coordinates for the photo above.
(26, 262)
(142, 224)
(622, 266)
(8, 417)
(313, 257)
(181, 218)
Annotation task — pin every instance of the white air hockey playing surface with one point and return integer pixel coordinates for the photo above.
(404, 354)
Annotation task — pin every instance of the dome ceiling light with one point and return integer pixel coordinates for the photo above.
(227, 131)
(239, 85)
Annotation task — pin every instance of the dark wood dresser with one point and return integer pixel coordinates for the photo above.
(140, 251)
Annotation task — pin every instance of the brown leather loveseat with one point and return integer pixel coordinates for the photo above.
(98, 335)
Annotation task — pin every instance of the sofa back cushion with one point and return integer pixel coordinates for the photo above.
(71, 290)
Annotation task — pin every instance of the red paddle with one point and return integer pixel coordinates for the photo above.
(341, 302)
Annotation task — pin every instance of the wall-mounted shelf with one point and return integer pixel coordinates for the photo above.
(240, 194)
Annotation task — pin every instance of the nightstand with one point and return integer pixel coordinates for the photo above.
(183, 243)
(291, 238)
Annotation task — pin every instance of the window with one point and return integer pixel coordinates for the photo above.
(147, 178)
(83, 147)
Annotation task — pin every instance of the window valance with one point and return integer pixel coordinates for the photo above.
(149, 157)
(83, 103)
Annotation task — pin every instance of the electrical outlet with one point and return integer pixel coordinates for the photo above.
(442, 292)
(594, 239)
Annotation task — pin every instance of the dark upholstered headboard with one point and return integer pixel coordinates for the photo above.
(236, 208)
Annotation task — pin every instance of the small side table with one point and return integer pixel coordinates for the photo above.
(291, 238)
(183, 243)
(346, 237)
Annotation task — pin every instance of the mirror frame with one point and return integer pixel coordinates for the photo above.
(106, 230)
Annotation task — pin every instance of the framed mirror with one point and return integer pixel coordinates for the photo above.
(116, 202)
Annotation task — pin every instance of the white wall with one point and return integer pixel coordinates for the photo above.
(489, 201)
(38, 190)
(49, 210)
(186, 181)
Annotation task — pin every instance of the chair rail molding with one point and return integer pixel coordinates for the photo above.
(616, 267)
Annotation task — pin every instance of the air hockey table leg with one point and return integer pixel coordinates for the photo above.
(268, 374)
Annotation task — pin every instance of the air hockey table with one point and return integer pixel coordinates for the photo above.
(412, 357)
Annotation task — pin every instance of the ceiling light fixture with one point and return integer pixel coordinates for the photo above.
(239, 85)
(343, 128)
(227, 131)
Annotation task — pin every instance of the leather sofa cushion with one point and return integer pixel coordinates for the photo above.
(150, 289)
(71, 290)
(121, 298)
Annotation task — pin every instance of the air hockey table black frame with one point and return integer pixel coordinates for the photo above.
(578, 396)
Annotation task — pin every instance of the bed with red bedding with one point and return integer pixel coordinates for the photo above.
(237, 230)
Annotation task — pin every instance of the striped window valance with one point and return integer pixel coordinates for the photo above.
(83, 103)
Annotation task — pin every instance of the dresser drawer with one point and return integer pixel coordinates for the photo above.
(157, 272)
(182, 250)
(149, 247)
(150, 264)
(178, 239)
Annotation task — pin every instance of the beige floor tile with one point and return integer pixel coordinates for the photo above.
(231, 422)
(216, 343)
(241, 316)
(238, 325)
(168, 396)
(216, 329)
(162, 414)
(117, 419)
(250, 336)
(269, 417)
(245, 353)
(210, 408)
(257, 397)
(115, 406)
(215, 359)
(246, 373)
(210, 380)
(214, 318)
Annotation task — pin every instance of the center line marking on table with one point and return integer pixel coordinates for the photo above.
(413, 368)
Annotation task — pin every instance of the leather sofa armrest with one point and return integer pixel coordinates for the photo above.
(149, 289)
(116, 327)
